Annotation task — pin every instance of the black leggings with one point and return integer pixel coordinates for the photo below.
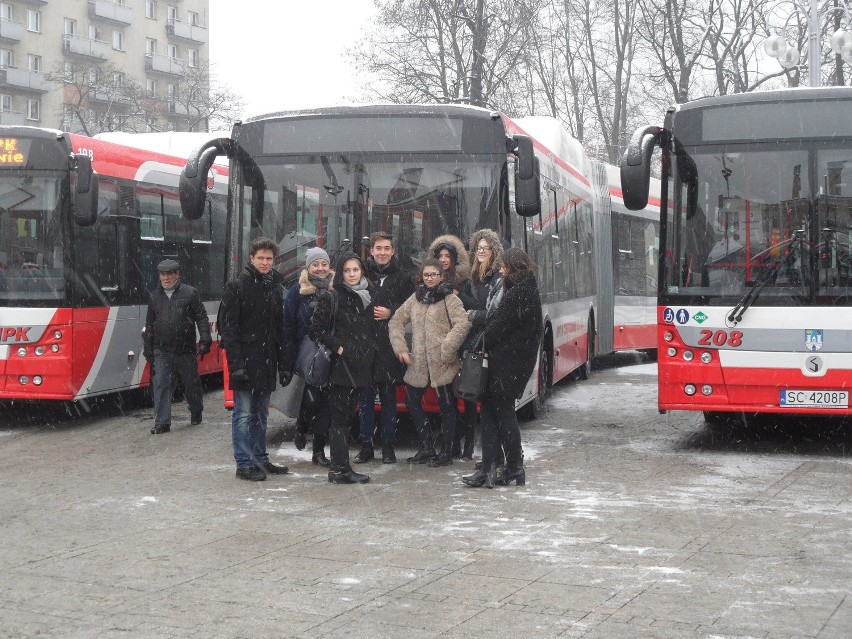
(500, 427)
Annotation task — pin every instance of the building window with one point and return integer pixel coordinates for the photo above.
(151, 87)
(68, 71)
(5, 11)
(171, 90)
(150, 46)
(5, 103)
(173, 51)
(7, 58)
(34, 21)
(94, 76)
(193, 58)
(34, 62)
(95, 33)
(117, 78)
(70, 26)
(118, 40)
(33, 109)
(172, 14)
(194, 18)
(151, 9)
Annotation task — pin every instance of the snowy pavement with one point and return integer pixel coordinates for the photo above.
(632, 524)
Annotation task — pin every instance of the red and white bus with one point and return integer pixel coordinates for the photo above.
(329, 177)
(754, 306)
(83, 224)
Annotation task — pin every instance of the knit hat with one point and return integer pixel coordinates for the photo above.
(315, 253)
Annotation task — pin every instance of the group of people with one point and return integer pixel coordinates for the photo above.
(485, 298)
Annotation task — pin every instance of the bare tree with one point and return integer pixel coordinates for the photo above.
(203, 103)
(443, 50)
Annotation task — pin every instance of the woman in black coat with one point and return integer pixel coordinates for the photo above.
(350, 335)
(512, 340)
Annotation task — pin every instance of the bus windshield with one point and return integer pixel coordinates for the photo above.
(336, 201)
(31, 263)
(768, 221)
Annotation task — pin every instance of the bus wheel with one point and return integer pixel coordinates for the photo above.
(586, 369)
(535, 407)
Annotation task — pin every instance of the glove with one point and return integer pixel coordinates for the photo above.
(240, 376)
(202, 351)
(284, 377)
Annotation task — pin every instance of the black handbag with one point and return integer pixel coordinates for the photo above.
(472, 381)
(313, 362)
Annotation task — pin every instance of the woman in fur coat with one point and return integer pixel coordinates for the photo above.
(438, 328)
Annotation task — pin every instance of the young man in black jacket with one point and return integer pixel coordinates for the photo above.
(391, 287)
(252, 332)
(174, 312)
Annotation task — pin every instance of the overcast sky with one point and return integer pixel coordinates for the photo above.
(287, 54)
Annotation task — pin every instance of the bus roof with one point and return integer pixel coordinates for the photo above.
(176, 143)
(774, 96)
(382, 109)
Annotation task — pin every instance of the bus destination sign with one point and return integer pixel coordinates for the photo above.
(11, 153)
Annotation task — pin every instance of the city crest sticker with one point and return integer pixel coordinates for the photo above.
(813, 339)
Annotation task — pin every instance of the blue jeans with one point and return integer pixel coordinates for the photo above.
(248, 427)
(387, 397)
(186, 366)
(447, 403)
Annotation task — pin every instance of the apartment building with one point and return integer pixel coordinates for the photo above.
(96, 65)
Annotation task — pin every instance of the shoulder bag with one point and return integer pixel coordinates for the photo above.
(313, 362)
(472, 381)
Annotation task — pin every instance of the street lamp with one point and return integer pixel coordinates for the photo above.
(788, 56)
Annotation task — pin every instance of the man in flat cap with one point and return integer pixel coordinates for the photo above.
(174, 312)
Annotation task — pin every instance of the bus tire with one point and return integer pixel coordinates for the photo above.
(536, 406)
(586, 369)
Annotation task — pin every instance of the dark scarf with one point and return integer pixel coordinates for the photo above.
(321, 283)
(377, 272)
(427, 295)
(267, 280)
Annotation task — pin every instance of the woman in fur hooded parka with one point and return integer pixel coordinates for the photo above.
(451, 252)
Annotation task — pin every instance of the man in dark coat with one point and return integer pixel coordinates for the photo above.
(391, 287)
(174, 312)
(252, 332)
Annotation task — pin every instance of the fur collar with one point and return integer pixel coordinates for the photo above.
(306, 287)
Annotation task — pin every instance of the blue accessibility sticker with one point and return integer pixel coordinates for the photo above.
(668, 315)
(682, 316)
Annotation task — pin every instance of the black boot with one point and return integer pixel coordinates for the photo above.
(388, 454)
(346, 476)
(423, 455)
(300, 437)
(367, 453)
(457, 447)
(482, 477)
(512, 473)
(469, 436)
(319, 458)
(444, 458)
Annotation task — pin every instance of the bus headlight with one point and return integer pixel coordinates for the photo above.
(57, 334)
(706, 357)
(689, 389)
(39, 351)
(22, 352)
(23, 379)
(54, 348)
(688, 356)
(668, 336)
(672, 351)
(706, 389)
(37, 380)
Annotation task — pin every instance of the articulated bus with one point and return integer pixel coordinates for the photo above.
(756, 272)
(329, 177)
(83, 224)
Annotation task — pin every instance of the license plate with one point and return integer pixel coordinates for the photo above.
(814, 398)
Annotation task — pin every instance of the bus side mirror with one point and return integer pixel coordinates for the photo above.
(525, 167)
(528, 191)
(84, 196)
(636, 167)
(193, 179)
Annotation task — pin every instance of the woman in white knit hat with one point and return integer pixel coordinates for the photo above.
(298, 309)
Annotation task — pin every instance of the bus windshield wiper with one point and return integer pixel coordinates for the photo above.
(736, 314)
